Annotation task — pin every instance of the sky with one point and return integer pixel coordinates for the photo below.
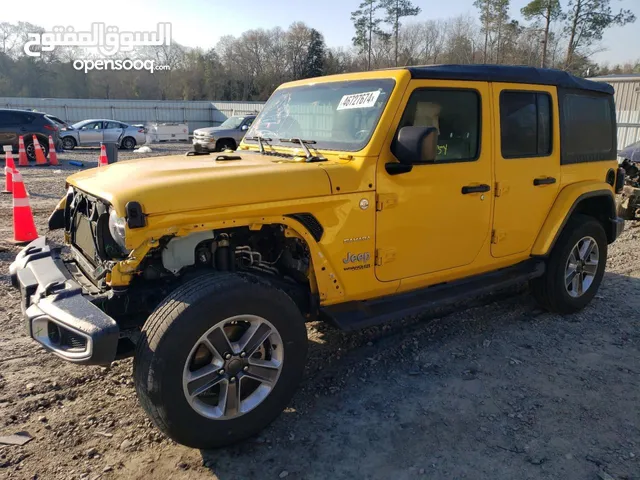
(200, 23)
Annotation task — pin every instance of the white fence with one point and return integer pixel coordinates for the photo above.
(196, 114)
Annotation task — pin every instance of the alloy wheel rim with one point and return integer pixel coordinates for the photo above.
(581, 267)
(233, 367)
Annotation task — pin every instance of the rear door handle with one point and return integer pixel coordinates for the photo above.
(475, 189)
(543, 181)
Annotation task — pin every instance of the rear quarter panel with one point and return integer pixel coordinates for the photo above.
(575, 180)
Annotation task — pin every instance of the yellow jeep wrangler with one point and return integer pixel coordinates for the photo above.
(354, 199)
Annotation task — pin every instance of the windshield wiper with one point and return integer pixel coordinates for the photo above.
(303, 144)
(260, 139)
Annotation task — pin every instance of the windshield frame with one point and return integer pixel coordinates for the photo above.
(386, 84)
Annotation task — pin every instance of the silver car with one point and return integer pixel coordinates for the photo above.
(226, 136)
(88, 133)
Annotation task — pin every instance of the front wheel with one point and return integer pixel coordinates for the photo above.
(68, 143)
(575, 267)
(219, 359)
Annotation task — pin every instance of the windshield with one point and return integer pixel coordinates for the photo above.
(336, 115)
(78, 125)
(232, 122)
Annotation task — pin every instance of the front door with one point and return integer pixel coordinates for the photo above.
(90, 134)
(527, 164)
(437, 216)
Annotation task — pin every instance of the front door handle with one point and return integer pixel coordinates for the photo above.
(543, 181)
(475, 189)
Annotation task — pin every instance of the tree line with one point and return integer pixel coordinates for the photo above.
(554, 34)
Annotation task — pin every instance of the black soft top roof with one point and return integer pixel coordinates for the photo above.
(509, 73)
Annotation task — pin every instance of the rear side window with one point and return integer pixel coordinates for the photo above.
(15, 118)
(588, 128)
(525, 124)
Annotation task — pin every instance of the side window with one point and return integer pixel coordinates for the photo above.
(456, 115)
(588, 128)
(525, 124)
(249, 121)
(11, 118)
(111, 125)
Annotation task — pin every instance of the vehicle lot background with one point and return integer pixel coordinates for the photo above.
(494, 389)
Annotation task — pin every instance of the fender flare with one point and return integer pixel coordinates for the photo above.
(566, 203)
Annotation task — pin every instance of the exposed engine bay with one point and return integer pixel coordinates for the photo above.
(96, 238)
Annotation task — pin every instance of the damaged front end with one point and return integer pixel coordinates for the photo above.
(68, 304)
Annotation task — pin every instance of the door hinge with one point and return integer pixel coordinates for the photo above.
(385, 255)
(500, 189)
(386, 200)
(497, 236)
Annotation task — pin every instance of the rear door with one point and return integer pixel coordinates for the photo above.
(91, 134)
(7, 132)
(527, 164)
(112, 131)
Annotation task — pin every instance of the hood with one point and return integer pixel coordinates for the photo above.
(180, 183)
(212, 130)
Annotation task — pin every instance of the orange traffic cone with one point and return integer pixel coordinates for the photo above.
(40, 158)
(53, 156)
(24, 227)
(9, 167)
(104, 161)
(22, 154)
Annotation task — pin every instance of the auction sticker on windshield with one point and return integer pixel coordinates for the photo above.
(358, 100)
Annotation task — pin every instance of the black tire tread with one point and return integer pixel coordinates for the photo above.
(161, 319)
(190, 293)
(545, 289)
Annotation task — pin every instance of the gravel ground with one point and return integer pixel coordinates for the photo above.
(494, 389)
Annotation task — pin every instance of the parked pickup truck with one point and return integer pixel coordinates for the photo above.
(226, 136)
(353, 199)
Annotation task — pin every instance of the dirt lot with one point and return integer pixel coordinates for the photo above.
(496, 389)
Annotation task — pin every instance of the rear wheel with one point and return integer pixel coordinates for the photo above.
(213, 368)
(30, 148)
(575, 267)
(128, 143)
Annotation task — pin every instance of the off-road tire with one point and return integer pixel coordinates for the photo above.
(549, 290)
(175, 327)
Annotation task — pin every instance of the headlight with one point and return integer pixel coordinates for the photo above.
(117, 229)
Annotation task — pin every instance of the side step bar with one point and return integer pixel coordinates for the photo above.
(367, 313)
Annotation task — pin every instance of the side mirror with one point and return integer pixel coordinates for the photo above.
(416, 145)
(244, 127)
